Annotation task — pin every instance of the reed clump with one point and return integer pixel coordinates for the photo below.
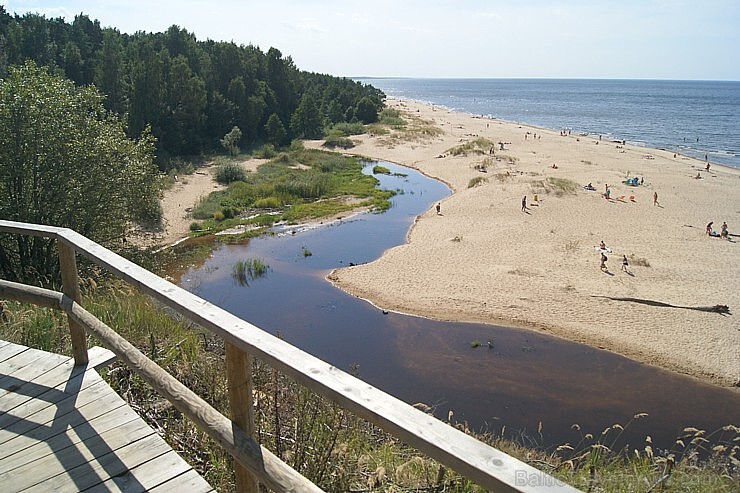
(247, 270)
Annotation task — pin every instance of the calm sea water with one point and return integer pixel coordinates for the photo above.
(694, 118)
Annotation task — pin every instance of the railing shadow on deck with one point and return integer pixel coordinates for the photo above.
(68, 452)
(481, 463)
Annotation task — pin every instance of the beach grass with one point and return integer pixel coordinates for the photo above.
(478, 180)
(480, 145)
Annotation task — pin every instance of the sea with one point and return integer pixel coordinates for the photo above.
(693, 118)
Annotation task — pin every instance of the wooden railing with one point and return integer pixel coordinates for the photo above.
(479, 462)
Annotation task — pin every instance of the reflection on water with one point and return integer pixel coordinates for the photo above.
(524, 379)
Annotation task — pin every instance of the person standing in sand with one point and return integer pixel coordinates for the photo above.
(439, 208)
(655, 198)
(524, 204)
(603, 266)
(624, 263)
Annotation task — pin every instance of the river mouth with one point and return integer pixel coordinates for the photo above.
(527, 385)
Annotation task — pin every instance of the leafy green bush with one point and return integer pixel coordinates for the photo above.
(267, 151)
(195, 226)
(208, 206)
(333, 141)
(230, 172)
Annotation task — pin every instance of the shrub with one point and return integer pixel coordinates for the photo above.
(218, 216)
(267, 151)
(268, 203)
(195, 226)
(228, 212)
(381, 170)
(333, 141)
(207, 206)
(230, 172)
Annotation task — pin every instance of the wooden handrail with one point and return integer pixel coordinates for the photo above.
(481, 463)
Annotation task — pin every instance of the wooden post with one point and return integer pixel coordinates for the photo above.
(71, 287)
(239, 377)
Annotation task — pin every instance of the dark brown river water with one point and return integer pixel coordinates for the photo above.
(528, 386)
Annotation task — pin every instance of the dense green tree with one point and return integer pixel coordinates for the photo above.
(145, 81)
(306, 121)
(66, 161)
(275, 130)
(185, 109)
(189, 92)
(366, 111)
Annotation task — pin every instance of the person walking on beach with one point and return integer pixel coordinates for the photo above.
(624, 263)
(655, 198)
(603, 266)
(524, 204)
(439, 208)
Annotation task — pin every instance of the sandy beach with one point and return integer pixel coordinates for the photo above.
(484, 259)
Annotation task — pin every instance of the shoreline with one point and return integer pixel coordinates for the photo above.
(484, 260)
(440, 278)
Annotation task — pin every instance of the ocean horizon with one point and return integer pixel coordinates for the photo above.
(699, 119)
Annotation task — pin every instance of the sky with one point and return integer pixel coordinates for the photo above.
(601, 39)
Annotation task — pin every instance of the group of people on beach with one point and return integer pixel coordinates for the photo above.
(603, 258)
(724, 233)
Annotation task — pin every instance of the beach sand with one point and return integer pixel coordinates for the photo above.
(483, 259)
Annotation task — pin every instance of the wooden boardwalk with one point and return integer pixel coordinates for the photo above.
(62, 428)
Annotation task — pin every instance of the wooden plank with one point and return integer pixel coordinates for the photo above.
(58, 377)
(24, 431)
(9, 349)
(190, 482)
(152, 474)
(65, 378)
(23, 363)
(24, 369)
(98, 469)
(100, 357)
(76, 433)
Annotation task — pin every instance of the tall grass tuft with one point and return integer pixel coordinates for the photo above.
(244, 271)
(478, 180)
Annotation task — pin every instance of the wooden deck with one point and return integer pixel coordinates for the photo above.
(62, 428)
